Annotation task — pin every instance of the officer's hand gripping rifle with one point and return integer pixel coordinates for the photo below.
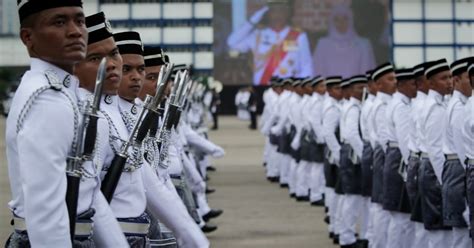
(138, 133)
(85, 145)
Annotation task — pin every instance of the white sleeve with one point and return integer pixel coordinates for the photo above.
(166, 206)
(43, 144)
(457, 117)
(330, 122)
(241, 39)
(107, 231)
(197, 141)
(434, 123)
(306, 68)
(380, 120)
(316, 123)
(353, 133)
(403, 123)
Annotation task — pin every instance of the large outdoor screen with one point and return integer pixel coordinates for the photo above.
(257, 39)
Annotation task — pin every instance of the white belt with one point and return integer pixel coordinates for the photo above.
(82, 229)
(134, 228)
(393, 144)
(424, 155)
(452, 157)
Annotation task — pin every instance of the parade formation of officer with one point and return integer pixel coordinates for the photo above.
(397, 152)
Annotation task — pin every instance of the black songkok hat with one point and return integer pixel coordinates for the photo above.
(358, 79)
(333, 81)
(98, 28)
(274, 81)
(316, 80)
(306, 81)
(368, 75)
(345, 83)
(382, 70)
(419, 70)
(296, 81)
(470, 68)
(460, 66)
(436, 67)
(129, 42)
(27, 8)
(404, 74)
(153, 56)
(286, 81)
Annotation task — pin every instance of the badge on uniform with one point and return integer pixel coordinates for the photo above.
(134, 110)
(67, 81)
(108, 99)
(290, 45)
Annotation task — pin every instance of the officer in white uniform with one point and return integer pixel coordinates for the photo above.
(331, 116)
(397, 126)
(433, 118)
(466, 141)
(315, 124)
(454, 173)
(138, 187)
(281, 160)
(421, 238)
(350, 168)
(384, 77)
(270, 99)
(367, 157)
(302, 169)
(278, 49)
(282, 130)
(41, 133)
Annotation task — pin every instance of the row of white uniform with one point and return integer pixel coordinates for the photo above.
(413, 123)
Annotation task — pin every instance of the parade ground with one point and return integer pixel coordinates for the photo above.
(257, 213)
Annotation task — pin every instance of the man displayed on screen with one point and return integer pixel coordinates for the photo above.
(278, 49)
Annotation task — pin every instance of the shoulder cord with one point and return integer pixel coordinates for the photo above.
(29, 103)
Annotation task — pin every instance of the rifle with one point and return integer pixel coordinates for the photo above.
(85, 147)
(171, 113)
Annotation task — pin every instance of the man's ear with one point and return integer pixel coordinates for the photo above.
(26, 36)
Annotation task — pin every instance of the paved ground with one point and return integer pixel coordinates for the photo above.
(256, 212)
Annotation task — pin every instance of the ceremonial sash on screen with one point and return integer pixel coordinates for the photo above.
(278, 54)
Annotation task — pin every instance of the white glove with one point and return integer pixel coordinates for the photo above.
(218, 152)
(258, 15)
(295, 144)
(466, 214)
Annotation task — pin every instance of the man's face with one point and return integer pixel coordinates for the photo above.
(387, 83)
(308, 89)
(346, 92)
(150, 82)
(357, 90)
(408, 88)
(372, 87)
(471, 77)
(57, 35)
(279, 15)
(335, 92)
(133, 75)
(422, 83)
(442, 83)
(462, 84)
(320, 88)
(86, 70)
